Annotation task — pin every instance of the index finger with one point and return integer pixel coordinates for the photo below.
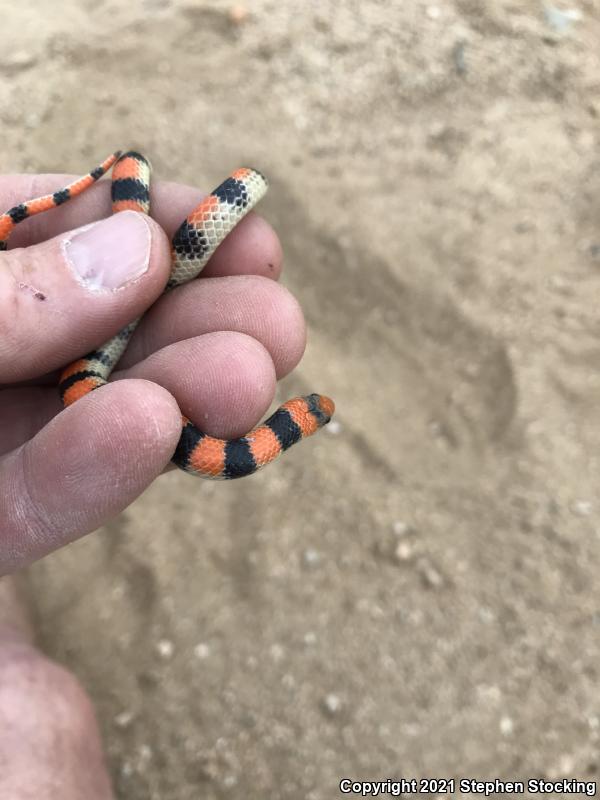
(252, 248)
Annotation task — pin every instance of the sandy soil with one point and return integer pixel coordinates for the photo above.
(413, 593)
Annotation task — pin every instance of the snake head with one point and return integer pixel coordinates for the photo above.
(321, 407)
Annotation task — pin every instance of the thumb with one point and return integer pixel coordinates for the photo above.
(66, 296)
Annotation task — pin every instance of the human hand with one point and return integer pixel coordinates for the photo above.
(217, 345)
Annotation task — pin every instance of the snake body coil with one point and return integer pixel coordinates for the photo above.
(193, 244)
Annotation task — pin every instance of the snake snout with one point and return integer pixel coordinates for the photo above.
(321, 407)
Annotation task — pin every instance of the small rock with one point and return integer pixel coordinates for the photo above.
(124, 719)
(400, 528)
(277, 652)
(311, 557)
(334, 427)
(127, 769)
(582, 508)
(238, 14)
(561, 20)
(430, 575)
(165, 648)
(403, 552)
(17, 60)
(566, 765)
(506, 726)
(486, 615)
(145, 752)
(332, 704)
(202, 651)
(32, 120)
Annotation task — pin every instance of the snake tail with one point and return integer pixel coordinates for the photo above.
(222, 459)
(30, 208)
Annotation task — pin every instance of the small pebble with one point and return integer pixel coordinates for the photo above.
(332, 704)
(403, 552)
(311, 557)
(32, 120)
(506, 726)
(400, 528)
(561, 20)
(566, 765)
(124, 719)
(17, 60)
(430, 575)
(165, 648)
(145, 752)
(238, 14)
(582, 508)
(486, 615)
(126, 769)
(310, 638)
(277, 652)
(202, 651)
(334, 427)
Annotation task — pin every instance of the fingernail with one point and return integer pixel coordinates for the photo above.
(111, 253)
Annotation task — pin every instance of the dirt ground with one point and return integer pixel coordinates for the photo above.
(413, 593)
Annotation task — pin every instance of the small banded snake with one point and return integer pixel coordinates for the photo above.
(193, 244)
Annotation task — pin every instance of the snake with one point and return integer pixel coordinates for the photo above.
(192, 246)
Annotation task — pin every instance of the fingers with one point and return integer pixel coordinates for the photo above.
(104, 466)
(64, 296)
(224, 382)
(74, 475)
(247, 304)
(252, 248)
